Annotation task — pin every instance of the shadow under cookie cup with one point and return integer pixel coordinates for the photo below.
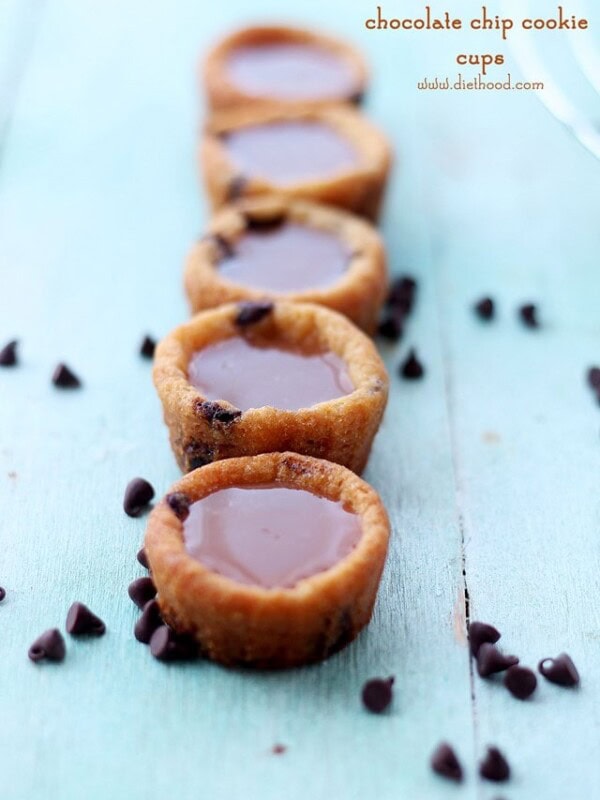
(203, 430)
(244, 625)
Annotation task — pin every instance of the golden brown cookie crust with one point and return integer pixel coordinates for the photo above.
(222, 93)
(359, 189)
(340, 430)
(359, 294)
(237, 624)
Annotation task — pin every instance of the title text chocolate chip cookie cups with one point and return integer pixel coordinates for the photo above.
(251, 378)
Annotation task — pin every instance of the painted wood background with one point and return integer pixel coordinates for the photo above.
(489, 467)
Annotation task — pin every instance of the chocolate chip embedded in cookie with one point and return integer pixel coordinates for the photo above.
(299, 377)
(248, 579)
(270, 248)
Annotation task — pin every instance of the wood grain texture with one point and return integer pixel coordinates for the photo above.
(493, 460)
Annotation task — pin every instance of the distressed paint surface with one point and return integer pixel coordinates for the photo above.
(490, 464)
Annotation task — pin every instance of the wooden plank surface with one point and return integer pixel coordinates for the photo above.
(493, 460)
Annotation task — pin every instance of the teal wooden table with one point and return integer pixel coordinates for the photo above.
(490, 467)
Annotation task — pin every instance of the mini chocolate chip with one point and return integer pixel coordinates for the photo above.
(250, 313)
(214, 412)
(141, 590)
(491, 660)
(147, 347)
(593, 377)
(2, 593)
(223, 246)
(402, 293)
(8, 354)
(484, 308)
(80, 620)
(528, 314)
(236, 187)
(480, 632)
(148, 622)
(266, 223)
(560, 670)
(143, 558)
(377, 694)
(138, 495)
(411, 368)
(392, 325)
(356, 98)
(179, 503)
(494, 766)
(166, 645)
(64, 378)
(520, 681)
(445, 763)
(50, 646)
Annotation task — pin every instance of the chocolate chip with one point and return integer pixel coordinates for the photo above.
(138, 495)
(237, 187)
(179, 503)
(392, 325)
(494, 766)
(147, 347)
(143, 558)
(411, 368)
(480, 632)
(50, 646)
(222, 245)
(214, 412)
(8, 354)
(528, 314)
(166, 645)
(250, 313)
(520, 682)
(445, 763)
(356, 98)
(64, 378)
(2, 593)
(491, 660)
(278, 749)
(148, 622)
(402, 293)
(377, 694)
(265, 223)
(560, 670)
(141, 591)
(80, 621)
(593, 377)
(484, 308)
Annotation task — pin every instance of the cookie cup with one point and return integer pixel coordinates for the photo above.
(240, 625)
(358, 294)
(339, 430)
(359, 188)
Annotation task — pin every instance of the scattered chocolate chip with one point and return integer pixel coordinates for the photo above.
(8, 354)
(250, 313)
(445, 763)
(147, 347)
(223, 246)
(138, 495)
(148, 622)
(214, 412)
(377, 694)
(265, 223)
(484, 308)
(560, 670)
(278, 749)
(520, 681)
(528, 314)
(179, 503)
(2, 593)
(402, 293)
(141, 591)
(494, 766)
(480, 632)
(64, 378)
(411, 368)
(392, 325)
(236, 187)
(593, 377)
(166, 645)
(80, 620)
(491, 660)
(143, 558)
(50, 646)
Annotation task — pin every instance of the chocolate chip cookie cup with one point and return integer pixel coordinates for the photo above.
(258, 65)
(331, 155)
(237, 566)
(289, 250)
(251, 378)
